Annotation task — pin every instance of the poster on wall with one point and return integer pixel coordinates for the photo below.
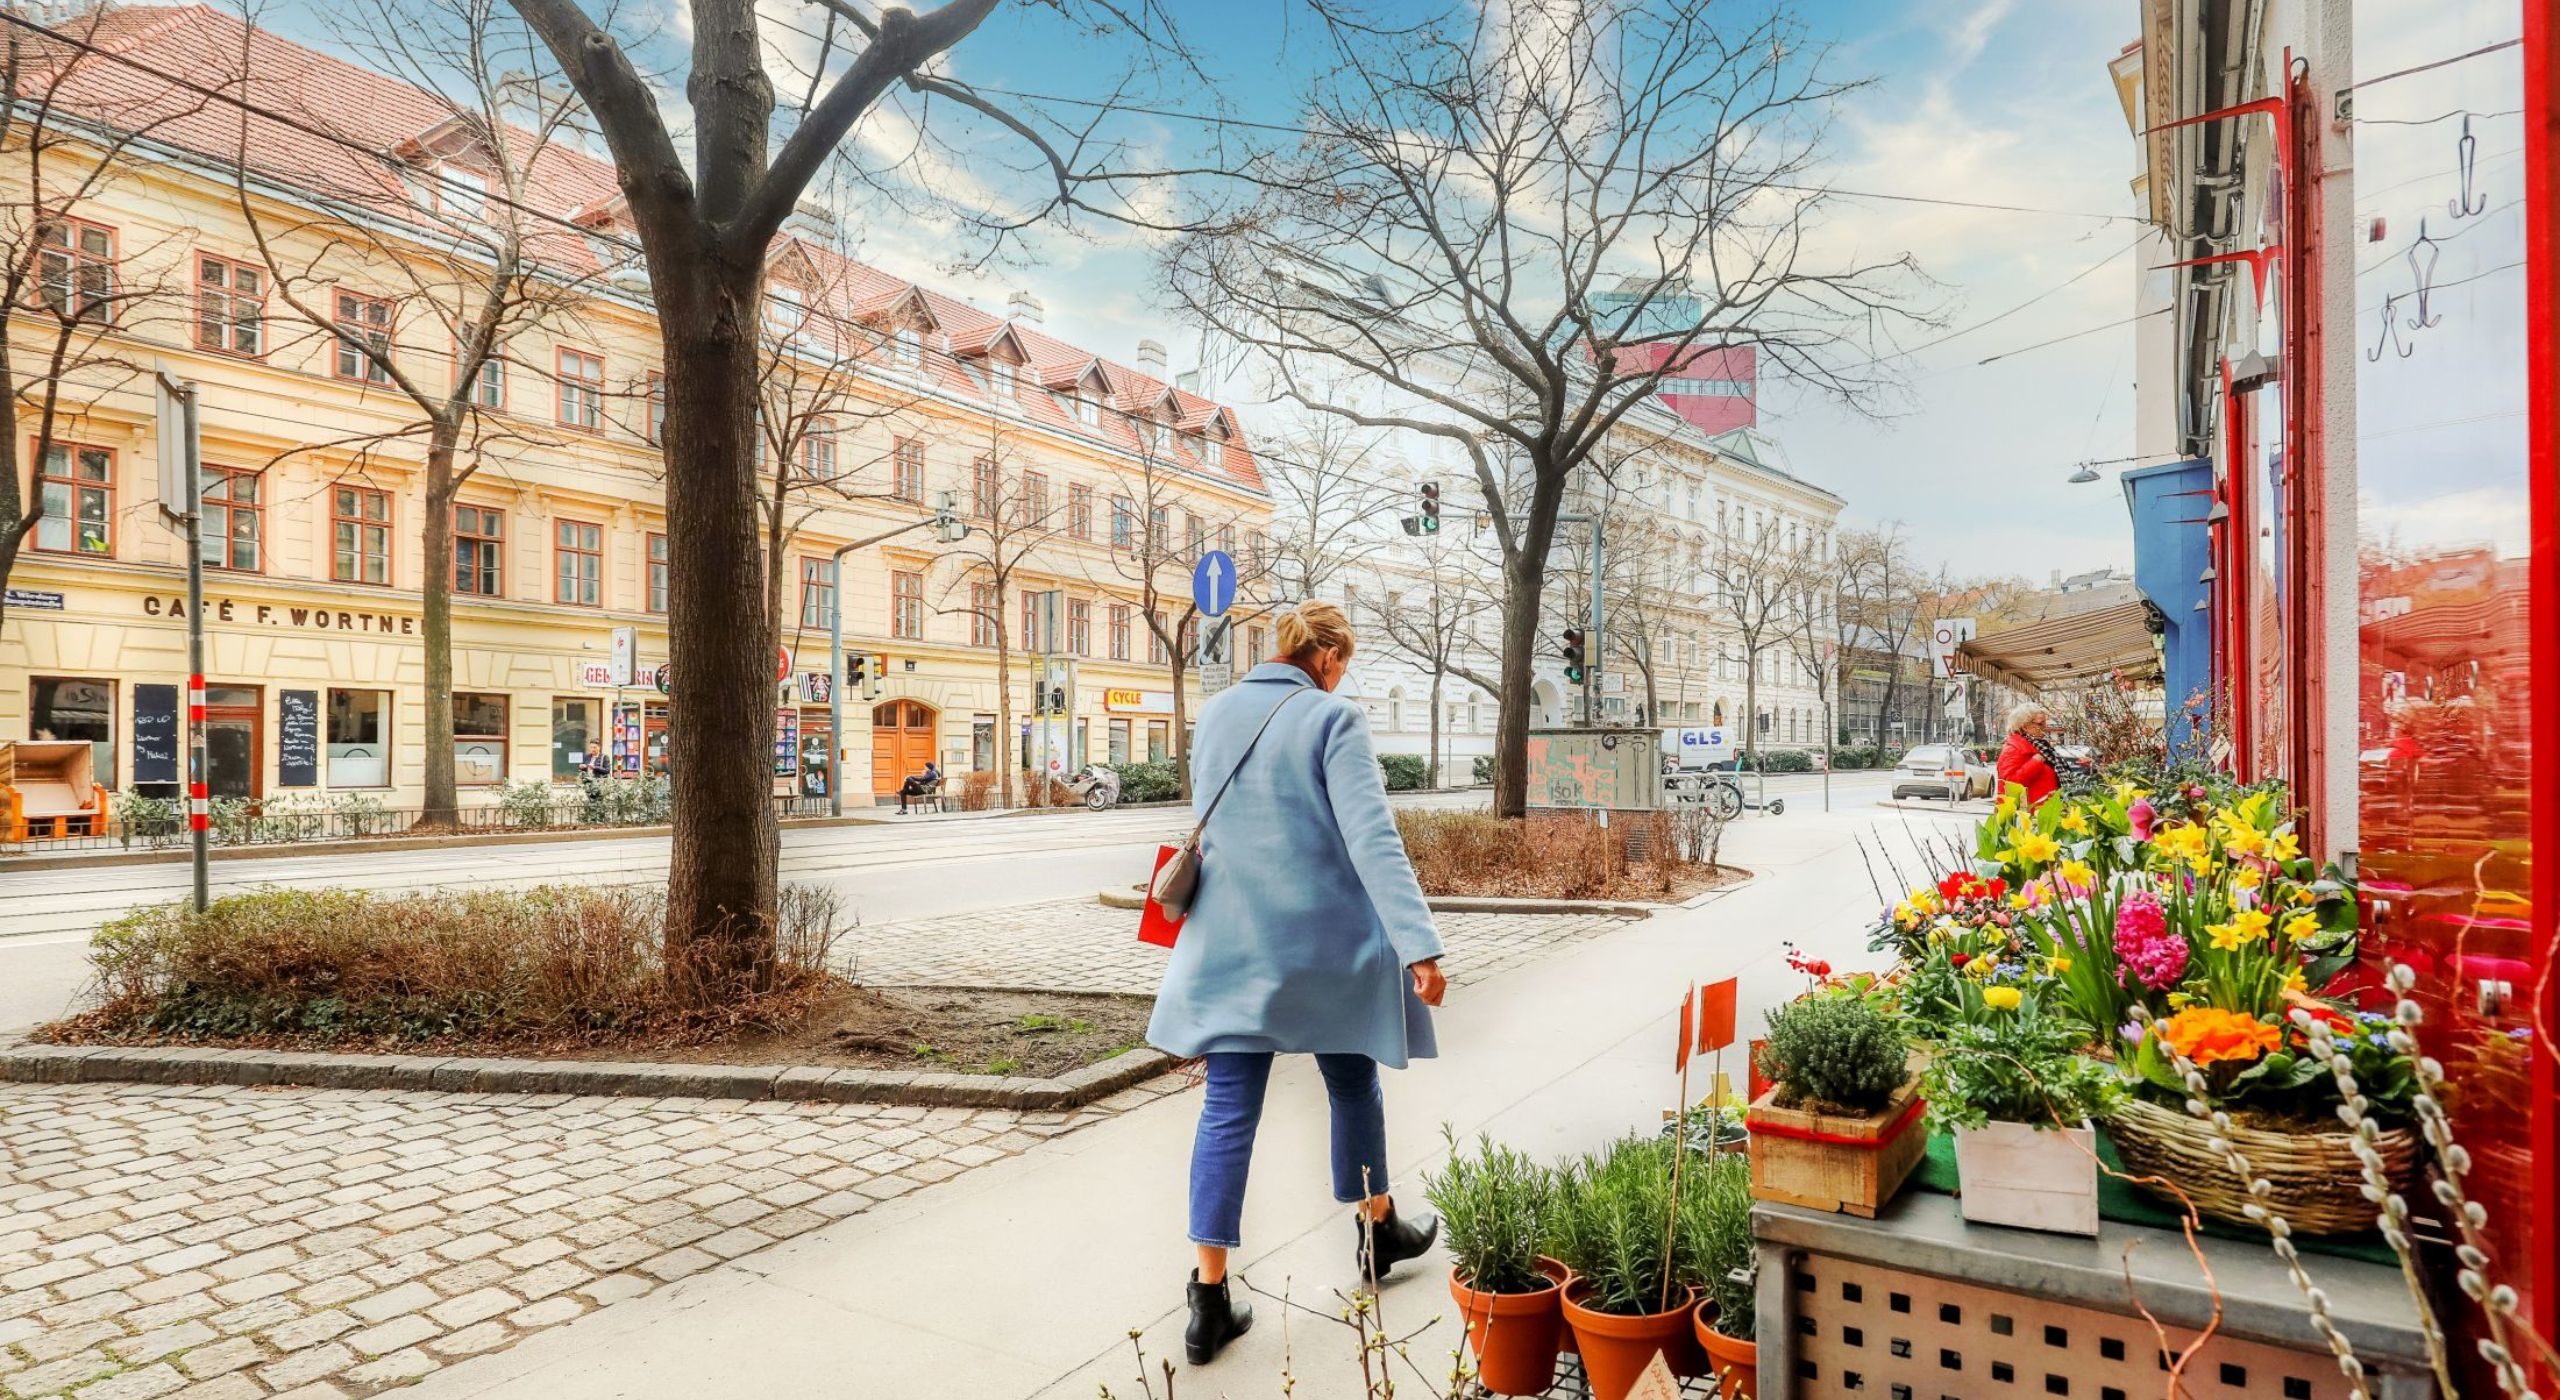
(786, 743)
(155, 734)
(297, 738)
(626, 740)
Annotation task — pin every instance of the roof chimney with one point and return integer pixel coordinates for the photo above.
(1024, 307)
(1151, 357)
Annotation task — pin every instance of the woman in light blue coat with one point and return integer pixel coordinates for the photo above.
(1308, 935)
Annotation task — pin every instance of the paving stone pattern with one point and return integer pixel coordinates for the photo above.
(225, 1243)
(1080, 946)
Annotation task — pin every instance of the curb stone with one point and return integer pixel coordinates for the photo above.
(26, 1062)
(93, 860)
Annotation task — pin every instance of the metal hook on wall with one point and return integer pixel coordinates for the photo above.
(2390, 331)
(2424, 274)
(2466, 159)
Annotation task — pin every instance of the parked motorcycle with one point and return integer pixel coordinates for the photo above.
(1096, 785)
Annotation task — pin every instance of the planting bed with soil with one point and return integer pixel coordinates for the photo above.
(963, 1030)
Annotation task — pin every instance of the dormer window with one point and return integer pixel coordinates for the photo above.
(1211, 452)
(910, 347)
(464, 192)
(1002, 373)
(1086, 410)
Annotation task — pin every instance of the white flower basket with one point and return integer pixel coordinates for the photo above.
(2012, 1174)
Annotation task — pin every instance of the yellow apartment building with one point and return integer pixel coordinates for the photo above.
(1088, 478)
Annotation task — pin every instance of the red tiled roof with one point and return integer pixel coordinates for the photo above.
(376, 112)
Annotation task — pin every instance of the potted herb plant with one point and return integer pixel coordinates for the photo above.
(2011, 1084)
(1717, 1228)
(1838, 1127)
(1493, 1206)
(1612, 1225)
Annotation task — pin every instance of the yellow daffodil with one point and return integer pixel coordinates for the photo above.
(2076, 822)
(2284, 845)
(2077, 872)
(2181, 843)
(2253, 923)
(2293, 981)
(2035, 848)
(2305, 896)
(2018, 899)
(2301, 926)
(2128, 794)
(2226, 937)
(2246, 878)
(2242, 841)
(2179, 1001)
(2060, 964)
(2000, 998)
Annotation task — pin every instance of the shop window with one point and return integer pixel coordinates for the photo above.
(234, 520)
(1080, 512)
(364, 338)
(817, 592)
(479, 739)
(75, 707)
(1119, 741)
(906, 605)
(76, 487)
(581, 379)
(578, 563)
(907, 470)
(1158, 734)
(359, 738)
(77, 272)
(657, 573)
(1080, 627)
(574, 724)
(479, 550)
(982, 743)
(231, 306)
(360, 523)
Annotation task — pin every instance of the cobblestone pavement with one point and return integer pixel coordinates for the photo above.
(1080, 946)
(222, 1243)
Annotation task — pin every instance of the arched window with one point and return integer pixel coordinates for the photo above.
(1395, 711)
(1719, 719)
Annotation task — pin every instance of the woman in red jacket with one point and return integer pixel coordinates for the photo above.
(2028, 758)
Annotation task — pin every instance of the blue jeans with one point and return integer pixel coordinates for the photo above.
(1231, 1111)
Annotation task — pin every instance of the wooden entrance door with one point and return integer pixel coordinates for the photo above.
(902, 735)
(234, 728)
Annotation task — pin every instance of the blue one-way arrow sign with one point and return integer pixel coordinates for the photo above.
(1213, 582)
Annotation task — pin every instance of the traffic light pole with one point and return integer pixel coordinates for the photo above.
(1599, 573)
(835, 654)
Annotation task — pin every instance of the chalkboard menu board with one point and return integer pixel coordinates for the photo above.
(155, 734)
(298, 748)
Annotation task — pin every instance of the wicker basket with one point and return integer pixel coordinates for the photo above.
(2318, 1182)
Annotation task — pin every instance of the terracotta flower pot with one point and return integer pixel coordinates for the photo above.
(1733, 1362)
(1515, 1335)
(1616, 1347)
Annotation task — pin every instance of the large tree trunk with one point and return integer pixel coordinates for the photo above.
(1181, 741)
(720, 888)
(1432, 769)
(1008, 743)
(1511, 726)
(435, 606)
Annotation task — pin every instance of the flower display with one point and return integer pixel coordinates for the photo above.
(2210, 1035)
(2151, 955)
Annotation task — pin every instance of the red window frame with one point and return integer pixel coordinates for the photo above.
(906, 605)
(369, 319)
(75, 486)
(567, 547)
(579, 402)
(220, 307)
(358, 538)
(485, 540)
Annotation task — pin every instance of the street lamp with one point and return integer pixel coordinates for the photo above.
(2085, 475)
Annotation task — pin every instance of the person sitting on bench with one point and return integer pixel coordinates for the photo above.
(925, 784)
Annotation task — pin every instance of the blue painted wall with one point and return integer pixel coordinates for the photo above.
(2170, 550)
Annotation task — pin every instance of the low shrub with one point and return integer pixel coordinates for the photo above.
(555, 964)
(977, 791)
(1612, 1216)
(1715, 1223)
(1405, 771)
(1493, 1205)
(1150, 782)
(1835, 1048)
(1553, 856)
(1482, 769)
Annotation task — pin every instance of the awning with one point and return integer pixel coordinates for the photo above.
(2065, 651)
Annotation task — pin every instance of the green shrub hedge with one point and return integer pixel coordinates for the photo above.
(1404, 771)
(1150, 782)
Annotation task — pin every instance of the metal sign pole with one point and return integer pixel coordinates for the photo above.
(1599, 647)
(835, 687)
(199, 795)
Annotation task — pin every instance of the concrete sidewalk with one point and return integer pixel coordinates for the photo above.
(1026, 1278)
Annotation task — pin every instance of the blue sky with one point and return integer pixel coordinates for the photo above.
(1984, 100)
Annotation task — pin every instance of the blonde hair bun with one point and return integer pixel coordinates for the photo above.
(1312, 626)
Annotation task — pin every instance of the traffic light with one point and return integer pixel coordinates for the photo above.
(1057, 699)
(857, 670)
(948, 527)
(1431, 507)
(1573, 655)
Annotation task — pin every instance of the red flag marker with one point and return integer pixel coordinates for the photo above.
(1715, 1016)
(1688, 1015)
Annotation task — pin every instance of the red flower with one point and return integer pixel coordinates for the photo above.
(1958, 959)
(1817, 968)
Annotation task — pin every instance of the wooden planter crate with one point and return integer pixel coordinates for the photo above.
(1835, 1162)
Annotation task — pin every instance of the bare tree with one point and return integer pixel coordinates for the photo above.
(1432, 610)
(1761, 581)
(1520, 220)
(1159, 526)
(71, 291)
(705, 232)
(1329, 484)
(455, 244)
(1012, 511)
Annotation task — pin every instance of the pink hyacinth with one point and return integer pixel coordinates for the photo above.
(2141, 814)
(2149, 952)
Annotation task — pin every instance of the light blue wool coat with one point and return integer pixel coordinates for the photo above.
(1307, 913)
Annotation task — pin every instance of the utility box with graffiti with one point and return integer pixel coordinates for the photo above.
(1605, 769)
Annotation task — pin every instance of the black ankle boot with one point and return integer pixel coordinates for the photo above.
(1216, 1319)
(1397, 1240)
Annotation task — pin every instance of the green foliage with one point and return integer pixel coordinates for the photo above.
(153, 821)
(1611, 1217)
(1715, 1229)
(2016, 1063)
(1493, 1208)
(1150, 782)
(1778, 761)
(1482, 768)
(526, 804)
(1835, 1048)
(1404, 772)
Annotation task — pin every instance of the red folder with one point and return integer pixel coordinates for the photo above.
(1155, 925)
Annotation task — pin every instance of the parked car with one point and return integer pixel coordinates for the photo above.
(1949, 771)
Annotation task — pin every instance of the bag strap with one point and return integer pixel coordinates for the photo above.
(1221, 795)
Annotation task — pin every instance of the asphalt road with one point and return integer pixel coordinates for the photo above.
(895, 870)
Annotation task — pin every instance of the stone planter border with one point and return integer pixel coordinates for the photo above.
(90, 1064)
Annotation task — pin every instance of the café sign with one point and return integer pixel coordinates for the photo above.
(381, 624)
